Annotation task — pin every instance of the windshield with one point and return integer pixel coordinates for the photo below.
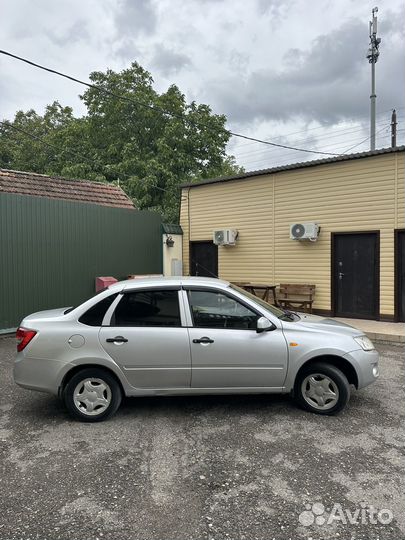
(273, 309)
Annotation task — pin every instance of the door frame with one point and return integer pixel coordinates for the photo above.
(396, 273)
(376, 270)
(190, 247)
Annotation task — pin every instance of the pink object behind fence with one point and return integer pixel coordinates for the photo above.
(104, 282)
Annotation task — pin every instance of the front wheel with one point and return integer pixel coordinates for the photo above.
(92, 395)
(322, 388)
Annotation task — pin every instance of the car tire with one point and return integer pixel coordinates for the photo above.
(92, 395)
(322, 388)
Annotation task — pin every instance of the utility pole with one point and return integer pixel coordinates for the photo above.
(394, 129)
(372, 56)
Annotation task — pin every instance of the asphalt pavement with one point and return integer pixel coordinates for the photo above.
(223, 467)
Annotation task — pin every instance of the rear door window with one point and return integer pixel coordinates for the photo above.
(148, 308)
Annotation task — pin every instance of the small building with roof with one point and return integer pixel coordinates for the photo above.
(336, 223)
(172, 249)
(54, 187)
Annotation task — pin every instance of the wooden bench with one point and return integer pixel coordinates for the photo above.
(297, 297)
(261, 290)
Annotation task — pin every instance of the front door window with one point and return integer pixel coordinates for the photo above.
(217, 310)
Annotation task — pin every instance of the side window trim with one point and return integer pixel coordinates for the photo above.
(110, 310)
(185, 312)
(187, 289)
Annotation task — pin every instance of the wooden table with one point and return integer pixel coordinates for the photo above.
(262, 290)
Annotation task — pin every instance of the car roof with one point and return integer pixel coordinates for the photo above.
(167, 281)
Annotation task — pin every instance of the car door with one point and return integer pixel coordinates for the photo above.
(226, 350)
(146, 337)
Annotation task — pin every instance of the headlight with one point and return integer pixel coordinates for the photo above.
(365, 343)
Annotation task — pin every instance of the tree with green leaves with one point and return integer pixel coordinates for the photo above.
(148, 142)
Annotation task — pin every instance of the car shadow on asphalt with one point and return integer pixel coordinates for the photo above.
(206, 404)
(46, 408)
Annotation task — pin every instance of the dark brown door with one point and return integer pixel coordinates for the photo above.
(355, 267)
(400, 275)
(204, 259)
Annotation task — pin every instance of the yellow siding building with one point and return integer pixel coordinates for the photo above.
(361, 195)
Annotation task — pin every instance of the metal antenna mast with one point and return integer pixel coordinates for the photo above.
(372, 57)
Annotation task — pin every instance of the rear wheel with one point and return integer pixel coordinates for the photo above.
(322, 388)
(92, 395)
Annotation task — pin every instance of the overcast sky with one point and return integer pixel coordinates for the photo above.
(290, 71)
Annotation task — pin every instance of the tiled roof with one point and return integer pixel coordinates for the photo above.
(54, 187)
(301, 165)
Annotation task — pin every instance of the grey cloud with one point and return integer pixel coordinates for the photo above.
(327, 83)
(276, 8)
(334, 56)
(6, 93)
(77, 32)
(127, 49)
(134, 17)
(238, 61)
(167, 61)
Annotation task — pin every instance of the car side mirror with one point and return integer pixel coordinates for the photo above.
(263, 325)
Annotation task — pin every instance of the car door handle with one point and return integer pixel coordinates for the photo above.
(116, 339)
(203, 340)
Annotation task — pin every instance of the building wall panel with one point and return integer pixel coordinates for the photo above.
(358, 195)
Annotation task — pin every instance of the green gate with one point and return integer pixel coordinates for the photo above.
(52, 250)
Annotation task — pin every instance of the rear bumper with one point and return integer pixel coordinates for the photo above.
(366, 366)
(38, 374)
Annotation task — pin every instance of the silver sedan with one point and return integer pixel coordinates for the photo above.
(173, 336)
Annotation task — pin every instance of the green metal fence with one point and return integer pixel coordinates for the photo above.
(52, 250)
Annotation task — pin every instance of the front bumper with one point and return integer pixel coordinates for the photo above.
(366, 366)
(39, 374)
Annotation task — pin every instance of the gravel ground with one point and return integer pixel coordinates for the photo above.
(250, 467)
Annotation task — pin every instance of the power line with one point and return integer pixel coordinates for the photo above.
(322, 127)
(256, 151)
(154, 107)
(272, 161)
(347, 131)
(74, 153)
(282, 145)
(365, 140)
(37, 138)
(251, 160)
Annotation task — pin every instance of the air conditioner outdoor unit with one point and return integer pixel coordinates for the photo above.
(304, 231)
(225, 237)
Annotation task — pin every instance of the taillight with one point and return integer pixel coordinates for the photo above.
(24, 336)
